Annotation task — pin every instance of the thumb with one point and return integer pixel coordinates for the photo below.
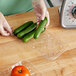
(7, 27)
(43, 15)
(3, 32)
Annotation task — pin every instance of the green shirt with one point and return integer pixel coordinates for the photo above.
(9, 7)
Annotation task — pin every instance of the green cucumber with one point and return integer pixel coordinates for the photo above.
(29, 36)
(25, 25)
(43, 30)
(27, 30)
(40, 28)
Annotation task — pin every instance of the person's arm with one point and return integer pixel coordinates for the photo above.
(40, 11)
(5, 29)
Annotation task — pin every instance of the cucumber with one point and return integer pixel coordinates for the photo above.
(27, 30)
(40, 28)
(43, 30)
(25, 25)
(29, 36)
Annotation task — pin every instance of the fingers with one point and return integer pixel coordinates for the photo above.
(43, 15)
(3, 32)
(7, 27)
(42, 18)
(38, 20)
(48, 18)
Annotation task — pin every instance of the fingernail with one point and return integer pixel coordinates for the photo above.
(37, 18)
(37, 23)
(42, 18)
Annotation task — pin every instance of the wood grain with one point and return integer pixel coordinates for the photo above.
(13, 50)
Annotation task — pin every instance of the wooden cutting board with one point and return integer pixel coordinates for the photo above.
(39, 53)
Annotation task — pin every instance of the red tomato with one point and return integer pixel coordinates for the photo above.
(20, 71)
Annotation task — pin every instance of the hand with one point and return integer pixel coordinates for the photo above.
(40, 11)
(5, 29)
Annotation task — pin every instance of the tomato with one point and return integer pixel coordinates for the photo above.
(20, 71)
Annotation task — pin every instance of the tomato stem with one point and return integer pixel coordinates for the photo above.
(20, 71)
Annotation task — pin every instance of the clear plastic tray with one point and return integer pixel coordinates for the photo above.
(5, 71)
(51, 44)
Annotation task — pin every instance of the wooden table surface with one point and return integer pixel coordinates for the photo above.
(52, 43)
